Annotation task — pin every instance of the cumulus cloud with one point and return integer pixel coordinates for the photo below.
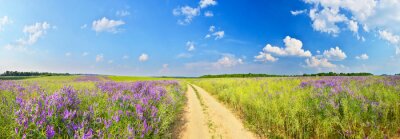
(206, 3)
(391, 38)
(228, 60)
(99, 58)
(293, 47)
(297, 12)
(315, 62)
(107, 25)
(4, 21)
(326, 20)
(211, 29)
(362, 57)
(265, 57)
(190, 46)
(143, 57)
(353, 26)
(33, 33)
(212, 32)
(208, 14)
(122, 13)
(380, 15)
(335, 54)
(219, 35)
(187, 12)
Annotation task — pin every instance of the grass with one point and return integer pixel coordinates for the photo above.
(16, 77)
(313, 107)
(136, 78)
(104, 104)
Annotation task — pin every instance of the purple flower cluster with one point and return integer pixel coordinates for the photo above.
(50, 113)
(130, 110)
(87, 79)
(139, 101)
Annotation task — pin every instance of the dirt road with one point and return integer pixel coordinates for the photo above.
(207, 118)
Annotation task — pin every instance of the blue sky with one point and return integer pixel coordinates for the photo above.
(196, 37)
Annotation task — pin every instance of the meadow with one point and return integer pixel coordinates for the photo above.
(89, 107)
(312, 107)
(146, 107)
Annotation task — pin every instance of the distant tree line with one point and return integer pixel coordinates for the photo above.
(241, 75)
(340, 74)
(18, 73)
(398, 74)
(271, 75)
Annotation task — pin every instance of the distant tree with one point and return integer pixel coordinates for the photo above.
(339, 74)
(18, 73)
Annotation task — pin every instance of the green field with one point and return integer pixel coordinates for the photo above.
(312, 107)
(89, 107)
(271, 107)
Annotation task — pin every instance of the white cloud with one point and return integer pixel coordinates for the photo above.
(33, 32)
(187, 12)
(190, 46)
(214, 33)
(208, 14)
(380, 15)
(143, 57)
(390, 37)
(297, 12)
(326, 20)
(85, 53)
(4, 21)
(362, 57)
(315, 62)
(125, 57)
(211, 29)
(335, 54)
(68, 54)
(265, 57)
(122, 13)
(99, 58)
(293, 47)
(353, 26)
(206, 3)
(110, 61)
(219, 35)
(107, 25)
(228, 61)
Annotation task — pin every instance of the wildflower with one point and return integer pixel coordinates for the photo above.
(50, 131)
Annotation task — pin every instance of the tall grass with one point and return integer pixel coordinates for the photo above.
(313, 107)
(69, 107)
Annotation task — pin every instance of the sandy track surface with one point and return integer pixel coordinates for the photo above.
(207, 118)
(196, 123)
